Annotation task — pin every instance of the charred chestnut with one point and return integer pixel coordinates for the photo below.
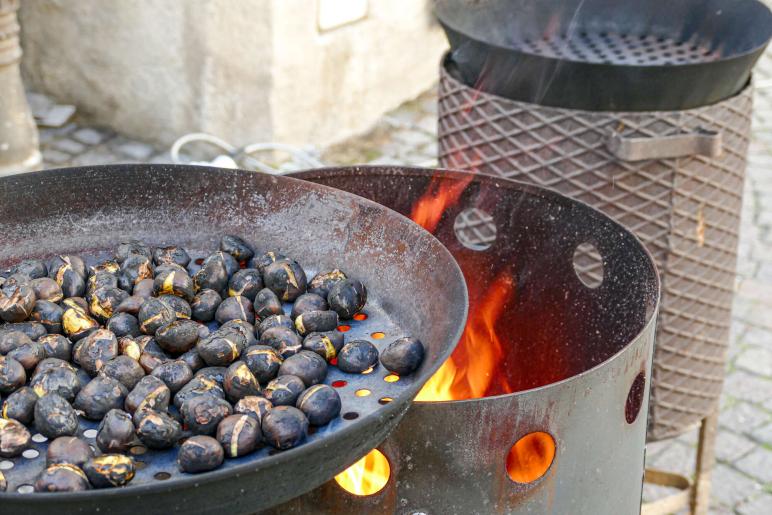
(200, 454)
(308, 302)
(284, 427)
(236, 247)
(62, 381)
(62, 478)
(12, 375)
(68, 449)
(320, 404)
(221, 348)
(323, 282)
(32, 268)
(214, 373)
(267, 304)
(33, 330)
(403, 356)
(20, 405)
(205, 305)
(286, 341)
(48, 314)
(123, 324)
(132, 248)
(109, 470)
(179, 305)
(173, 281)
(193, 360)
(131, 305)
(99, 396)
(100, 280)
(14, 438)
(29, 355)
(95, 350)
(125, 370)
(326, 344)
(212, 276)
(16, 303)
(202, 414)
(150, 393)
(284, 390)
(245, 283)
(143, 289)
(262, 261)
(347, 298)
(227, 261)
(235, 308)
(175, 374)
(171, 255)
(316, 322)
(157, 430)
(106, 267)
(135, 269)
(286, 279)
(357, 356)
(275, 321)
(153, 315)
(239, 435)
(10, 340)
(199, 386)
(178, 336)
(254, 406)
(151, 354)
(55, 417)
(263, 361)
(116, 432)
(69, 272)
(129, 346)
(240, 382)
(104, 302)
(308, 366)
(56, 346)
(46, 288)
(76, 322)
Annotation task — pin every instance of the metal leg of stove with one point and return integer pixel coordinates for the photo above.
(18, 134)
(706, 459)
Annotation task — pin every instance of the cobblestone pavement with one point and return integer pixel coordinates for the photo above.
(742, 479)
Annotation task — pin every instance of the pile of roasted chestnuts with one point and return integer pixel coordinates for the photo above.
(166, 352)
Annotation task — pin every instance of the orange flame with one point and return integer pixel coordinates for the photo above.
(367, 476)
(427, 211)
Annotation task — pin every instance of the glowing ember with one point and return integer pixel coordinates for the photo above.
(367, 476)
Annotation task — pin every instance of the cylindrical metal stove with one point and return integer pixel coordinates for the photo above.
(675, 178)
(560, 422)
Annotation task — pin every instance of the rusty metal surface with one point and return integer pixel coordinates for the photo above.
(572, 355)
(409, 275)
(686, 210)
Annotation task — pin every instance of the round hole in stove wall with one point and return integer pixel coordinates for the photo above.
(531, 457)
(635, 398)
(475, 229)
(368, 476)
(588, 265)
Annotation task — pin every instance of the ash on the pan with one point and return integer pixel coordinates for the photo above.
(217, 356)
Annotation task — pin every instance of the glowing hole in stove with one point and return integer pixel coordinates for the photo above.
(344, 328)
(367, 476)
(385, 400)
(364, 392)
(162, 476)
(391, 378)
(351, 415)
(530, 458)
(340, 383)
(378, 335)
(360, 316)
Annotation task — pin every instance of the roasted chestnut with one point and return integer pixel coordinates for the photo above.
(284, 427)
(227, 261)
(286, 341)
(236, 247)
(46, 288)
(239, 435)
(199, 386)
(55, 417)
(179, 305)
(104, 302)
(221, 348)
(69, 272)
(33, 330)
(308, 366)
(320, 404)
(347, 298)
(116, 432)
(246, 283)
(403, 356)
(172, 281)
(132, 248)
(16, 302)
(202, 414)
(200, 453)
(193, 360)
(61, 380)
(123, 324)
(171, 255)
(175, 374)
(125, 370)
(284, 390)
(14, 438)
(211, 276)
(32, 268)
(214, 373)
(12, 375)
(143, 289)
(99, 396)
(267, 304)
(106, 267)
(130, 347)
(68, 449)
(109, 470)
(76, 322)
(205, 305)
(29, 355)
(262, 261)
(150, 393)
(62, 478)
(10, 340)
(308, 302)
(178, 336)
(95, 350)
(131, 305)
(316, 322)
(323, 282)
(240, 382)
(48, 314)
(20, 405)
(275, 321)
(153, 315)
(235, 308)
(263, 361)
(286, 279)
(56, 346)
(254, 406)
(100, 280)
(157, 430)
(326, 344)
(134, 269)
(357, 356)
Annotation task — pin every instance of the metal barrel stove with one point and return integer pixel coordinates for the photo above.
(559, 422)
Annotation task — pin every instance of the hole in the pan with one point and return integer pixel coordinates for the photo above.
(162, 476)
(340, 383)
(93, 449)
(362, 392)
(199, 261)
(391, 378)
(475, 229)
(139, 464)
(38, 438)
(531, 456)
(368, 371)
(30, 454)
(138, 450)
(378, 335)
(6, 465)
(360, 316)
(334, 361)
(385, 400)
(367, 476)
(588, 265)
(635, 398)
(344, 328)
(25, 489)
(351, 415)
(90, 433)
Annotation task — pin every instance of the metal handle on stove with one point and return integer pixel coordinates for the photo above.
(700, 142)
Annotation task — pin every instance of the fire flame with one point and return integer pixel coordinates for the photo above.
(427, 211)
(367, 476)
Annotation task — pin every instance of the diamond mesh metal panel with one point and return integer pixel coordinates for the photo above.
(686, 210)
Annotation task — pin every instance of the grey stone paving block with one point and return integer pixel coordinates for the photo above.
(678, 458)
(761, 505)
(135, 150)
(90, 136)
(730, 487)
(46, 135)
(68, 145)
(731, 447)
(100, 155)
(763, 434)
(54, 157)
(386, 160)
(743, 418)
(413, 139)
(757, 360)
(162, 158)
(747, 387)
(757, 464)
(428, 124)
(758, 336)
